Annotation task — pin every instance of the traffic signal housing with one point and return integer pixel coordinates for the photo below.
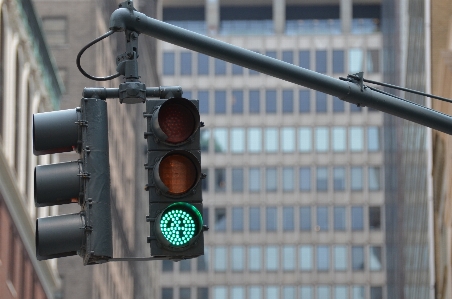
(174, 174)
(85, 181)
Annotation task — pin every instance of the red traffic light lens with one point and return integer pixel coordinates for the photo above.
(178, 173)
(177, 122)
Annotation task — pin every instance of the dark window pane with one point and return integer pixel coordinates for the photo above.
(254, 101)
(237, 180)
(185, 63)
(220, 180)
(167, 266)
(184, 293)
(202, 262)
(339, 218)
(357, 258)
(304, 101)
(304, 58)
(287, 56)
(271, 219)
(338, 61)
(374, 218)
(271, 179)
(373, 61)
(167, 293)
(255, 219)
(203, 64)
(271, 54)
(357, 218)
(203, 293)
(270, 101)
(203, 97)
(205, 181)
(237, 219)
(220, 67)
(237, 69)
(288, 219)
(287, 101)
(355, 108)
(168, 64)
(322, 179)
(305, 179)
(185, 266)
(338, 105)
(322, 218)
(320, 61)
(220, 219)
(320, 102)
(305, 218)
(376, 293)
(220, 102)
(237, 102)
(323, 258)
(339, 178)
(254, 179)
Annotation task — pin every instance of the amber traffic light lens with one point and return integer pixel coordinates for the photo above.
(177, 122)
(178, 173)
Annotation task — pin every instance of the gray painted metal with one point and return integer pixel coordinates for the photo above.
(129, 19)
(162, 92)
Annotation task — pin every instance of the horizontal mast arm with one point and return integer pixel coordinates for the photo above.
(132, 20)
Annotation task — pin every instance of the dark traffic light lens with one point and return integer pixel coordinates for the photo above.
(178, 173)
(177, 122)
(180, 223)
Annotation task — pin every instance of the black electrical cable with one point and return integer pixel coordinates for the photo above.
(84, 49)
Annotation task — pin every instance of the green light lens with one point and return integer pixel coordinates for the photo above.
(179, 224)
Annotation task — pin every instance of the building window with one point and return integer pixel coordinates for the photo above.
(356, 181)
(375, 261)
(289, 293)
(237, 258)
(202, 262)
(168, 63)
(374, 178)
(358, 292)
(305, 219)
(288, 219)
(220, 219)
(320, 102)
(304, 140)
(237, 219)
(238, 292)
(339, 218)
(287, 56)
(338, 61)
(339, 178)
(341, 292)
(255, 292)
(306, 258)
(356, 139)
(287, 101)
(167, 293)
(357, 218)
(323, 259)
(254, 140)
(237, 102)
(272, 292)
(237, 140)
(204, 139)
(373, 139)
(220, 138)
(220, 67)
(203, 97)
(254, 179)
(271, 179)
(203, 64)
(185, 63)
(220, 180)
(374, 218)
(338, 105)
(254, 102)
(237, 69)
(306, 293)
(322, 179)
(288, 179)
(271, 54)
(376, 293)
(288, 140)
(220, 292)
(270, 101)
(167, 266)
(304, 101)
(272, 258)
(355, 61)
(271, 140)
(320, 61)
(185, 266)
(340, 258)
(237, 179)
(254, 258)
(322, 218)
(271, 219)
(220, 262)
(339, 137)
(357, 258)
(255, 219)
(55, 29)
(305, 179)
(373, 61)
(323, 292)
(220, 102)
(203, 293)
(288, 256)
(321, 139)
(304, 59)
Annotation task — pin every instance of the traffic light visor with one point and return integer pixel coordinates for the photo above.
(179, 225)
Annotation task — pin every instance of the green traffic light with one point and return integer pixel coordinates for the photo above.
(180, 223)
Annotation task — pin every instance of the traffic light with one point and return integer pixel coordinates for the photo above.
(85, 181)
(174, 174)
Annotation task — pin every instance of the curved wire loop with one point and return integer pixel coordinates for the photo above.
(79, 55)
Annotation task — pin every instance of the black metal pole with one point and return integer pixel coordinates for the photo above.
(128, 19)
